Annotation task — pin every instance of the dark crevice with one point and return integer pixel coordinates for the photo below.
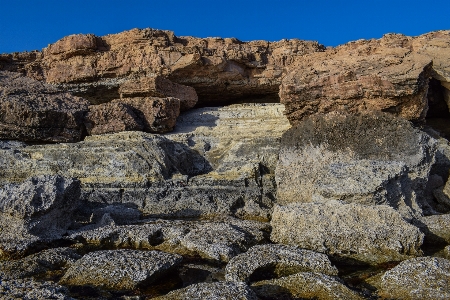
(438, 114)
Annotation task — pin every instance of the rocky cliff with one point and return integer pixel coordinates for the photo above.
(144, 165)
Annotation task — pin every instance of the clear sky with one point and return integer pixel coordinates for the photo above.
(29, 25)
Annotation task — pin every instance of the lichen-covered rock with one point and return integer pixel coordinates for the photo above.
(389, 74)
(216, 241)
(447, 252)
(281, 260)
(382, 160)
(33, 111)
(39, 209)
(160, 87)
(215, 290)
(37, 264)
(29, 289)
(371, 234)
(436, 228)
(120, 269)
(305, 285)
(417, 278)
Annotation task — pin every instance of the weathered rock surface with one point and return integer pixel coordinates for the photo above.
(216, 290)
(390, 74)
(147, 114)
(382, 160)
(120, 269)
(418, 278)
(218, 161)
(33, 111)
(305, 285)
(371, 234)
(219, 69)
(39, 209)
(160, 87)
(30, 289)
(436, 228)
(216, 241)
(276, 260)
(38, 264)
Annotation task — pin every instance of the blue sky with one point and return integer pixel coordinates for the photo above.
(29, 25)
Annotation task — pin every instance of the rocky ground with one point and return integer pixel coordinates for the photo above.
(142, 165)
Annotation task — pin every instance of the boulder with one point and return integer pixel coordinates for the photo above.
(305, 285)
(120, 269)
(38, 264)
(276, 260)
(29, 289)
(215, 290)
(369, 234)
(389, 74)
(161, 87)
(39, 209)
(436, 228)
(148, 114)
(417, 278)
(216, 241)
(382, 160)
(33, 111)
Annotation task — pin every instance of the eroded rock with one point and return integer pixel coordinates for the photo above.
(371, 234)
(305, 285)
(276, 260)
(216, 290)
(382, 160)
(29, 289)
(119, 269)
(34, 111)
(418, 278)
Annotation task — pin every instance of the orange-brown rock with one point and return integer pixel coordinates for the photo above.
(159, 86)
(219, 69)
(149, 114)
(390, 74)
(33, 111)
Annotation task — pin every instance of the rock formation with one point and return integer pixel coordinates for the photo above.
(122, 178)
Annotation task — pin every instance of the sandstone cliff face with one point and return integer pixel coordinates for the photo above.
(390, 74)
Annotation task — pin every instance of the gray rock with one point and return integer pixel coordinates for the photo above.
(371, 234)
(436, 228)
(39, 209)
(212, 291)
(119, 269)
(39, 263)
(382, 160)
(305, 285)
(281, 260)
(216, 241)
(30, 289)
(417, 278)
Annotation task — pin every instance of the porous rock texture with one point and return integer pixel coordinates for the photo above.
(304, 285)
(33, 111)
(389, 74)
(363, 158)
(29, 289)
(436, 228)
(119, 269)
(216, 290)
(281, 260)
(418, 278)
(365, 233)
(38, 210)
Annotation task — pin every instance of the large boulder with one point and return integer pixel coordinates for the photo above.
(37, 210)
(120, 269)
(389, 74)
(33, 111)
(370, 159)
(418, 278)
(369, 234)
(262, 261)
